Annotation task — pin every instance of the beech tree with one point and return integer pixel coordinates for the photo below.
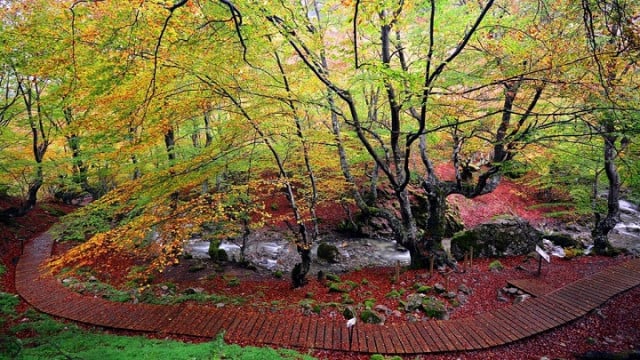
(414, 82)
(613, 36)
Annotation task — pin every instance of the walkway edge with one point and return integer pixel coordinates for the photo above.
(507, 325)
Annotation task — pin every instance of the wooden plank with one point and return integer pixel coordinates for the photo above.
(569, 308)
(378, 338)
(392, 340)
(505, 328)
(213, 322)
(429, 336)
(272, 330)
(571, 296)
(492, 339)
(472, 331)
(406, 337)
(612, 282)
(556, 310)
(264, 329)
(341, 335)
(453, 343)
(543, 313)
(360, 339)
(599, 295)
(319, 338)
(281, 326)
(456, 330)
(577, 298)
(310, 341)
(295, 331)
(242, 333)
(512, 320)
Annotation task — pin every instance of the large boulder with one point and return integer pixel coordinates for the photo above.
(502, 237)
(328, 252)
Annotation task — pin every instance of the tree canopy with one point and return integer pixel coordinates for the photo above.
(182, 114)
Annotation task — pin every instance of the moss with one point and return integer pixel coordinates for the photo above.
(393, 294)
(496, 265)
(333, 277)
(369, 304)
(424, 289)
(346, 299)
(370, 317)
(338, 287)
(465, 240)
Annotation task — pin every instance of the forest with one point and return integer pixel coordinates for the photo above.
(185, 117)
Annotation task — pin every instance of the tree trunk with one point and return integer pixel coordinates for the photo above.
(604, 225)
(300, 270)
(170, 143)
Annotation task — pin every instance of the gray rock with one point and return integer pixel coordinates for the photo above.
(511, 290)
(383, 309)
(191, 291)
(464, 289)
(440, 289)
(414, 302)
(462, 299)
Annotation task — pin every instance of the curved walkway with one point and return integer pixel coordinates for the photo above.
(499, 327)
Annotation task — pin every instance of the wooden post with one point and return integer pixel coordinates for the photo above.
(431, 262)
(470, 258)
(539, 265)
(397, 271)
(464, 262)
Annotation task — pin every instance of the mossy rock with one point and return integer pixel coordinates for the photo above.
(507, 236)
(564, 240)
(222, 256)
(496, 266)
(216, 253)
(214, 246)
(348, 313)
(434, 308)
(328, 252)
(371, 317)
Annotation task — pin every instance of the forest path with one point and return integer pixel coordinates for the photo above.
(506, 325)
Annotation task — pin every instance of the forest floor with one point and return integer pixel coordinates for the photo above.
(610, 328)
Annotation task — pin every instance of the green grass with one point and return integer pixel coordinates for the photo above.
(79, 345)
(50, 339)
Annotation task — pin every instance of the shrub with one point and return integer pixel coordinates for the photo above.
(8, 303)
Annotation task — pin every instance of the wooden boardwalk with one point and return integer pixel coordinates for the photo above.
(503, 326)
